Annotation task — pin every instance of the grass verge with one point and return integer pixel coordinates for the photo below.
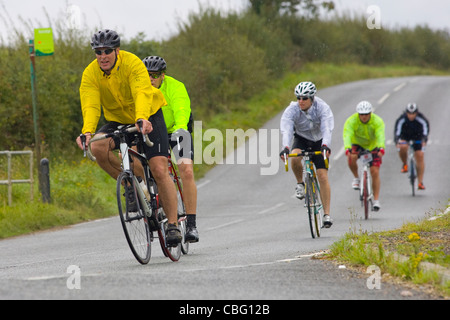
(417, 252)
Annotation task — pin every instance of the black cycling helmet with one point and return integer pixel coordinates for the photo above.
(155, 64)
(105, 38)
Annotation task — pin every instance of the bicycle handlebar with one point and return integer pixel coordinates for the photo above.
(99, 137)
(303, 154)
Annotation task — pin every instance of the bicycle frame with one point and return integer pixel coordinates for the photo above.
(152, 211)
(366, 192)
(412, 169)
(125, 153)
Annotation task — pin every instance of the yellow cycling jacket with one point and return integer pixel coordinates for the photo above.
(178, 108)
(125, 95)
(368, 135)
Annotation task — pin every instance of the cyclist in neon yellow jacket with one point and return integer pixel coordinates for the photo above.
(365, 130)
(117, 82)
(178, 117)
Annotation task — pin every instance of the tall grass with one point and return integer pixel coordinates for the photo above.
(80, 191)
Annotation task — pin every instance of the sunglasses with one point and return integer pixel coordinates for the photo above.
(155, 75)
(106, 51)
(302, 98)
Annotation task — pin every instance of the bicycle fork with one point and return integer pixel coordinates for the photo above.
(313, 203)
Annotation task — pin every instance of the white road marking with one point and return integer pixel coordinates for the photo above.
(204, 183)
(225, 225)
(400, 87)
(271, 208)
(384, 98)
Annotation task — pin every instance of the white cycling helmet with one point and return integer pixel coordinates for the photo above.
(411, 108)
(364, 107)
(305, 89)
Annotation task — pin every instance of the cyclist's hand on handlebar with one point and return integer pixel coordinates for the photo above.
(83, 141)
(146, 126)
(284, 153)
(326, 150)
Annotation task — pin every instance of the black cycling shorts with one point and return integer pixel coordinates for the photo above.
(307, 145)
(158, 136)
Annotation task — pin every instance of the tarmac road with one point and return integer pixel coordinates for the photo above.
(254, 236)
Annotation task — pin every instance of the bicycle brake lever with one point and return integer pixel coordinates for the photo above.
(83, 143)
(144, 136)
(286, 165)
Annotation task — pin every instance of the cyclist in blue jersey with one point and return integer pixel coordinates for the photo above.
(412, 125)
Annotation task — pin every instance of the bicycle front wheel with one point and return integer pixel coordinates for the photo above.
(412, 176)
(311, 205)
(365, 195)
(134, 221)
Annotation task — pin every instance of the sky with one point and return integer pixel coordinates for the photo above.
(159, 19)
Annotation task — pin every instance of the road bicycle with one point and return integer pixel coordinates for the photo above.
(313, 201)
(411, 162)
(365, 189)
(138, 200)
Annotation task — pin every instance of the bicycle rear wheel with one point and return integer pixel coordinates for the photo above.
(182, 220)
(174, 253)
(311, 208)
(412, 176)
(134, 221)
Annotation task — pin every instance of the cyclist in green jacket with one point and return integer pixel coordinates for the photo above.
(364, 130)
(178, 118)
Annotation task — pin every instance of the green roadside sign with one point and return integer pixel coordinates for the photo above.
(43, 42)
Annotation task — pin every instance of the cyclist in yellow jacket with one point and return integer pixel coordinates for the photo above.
(178, 117)
(365, 130)
(117, 82)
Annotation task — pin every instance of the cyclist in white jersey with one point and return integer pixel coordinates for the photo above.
(309, 123)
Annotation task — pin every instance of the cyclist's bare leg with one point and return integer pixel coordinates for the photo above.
(420, 162)
(297, 166)
(403, 152)
(186, 168)
(325, 191)
(166, 187)
(106, 159)
(352, 164)
(375, 172)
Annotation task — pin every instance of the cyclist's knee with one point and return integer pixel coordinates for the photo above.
(100, 151)
(159, 168)
(187, 173)
(322, 175)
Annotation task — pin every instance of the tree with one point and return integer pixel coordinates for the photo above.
(273, 8)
